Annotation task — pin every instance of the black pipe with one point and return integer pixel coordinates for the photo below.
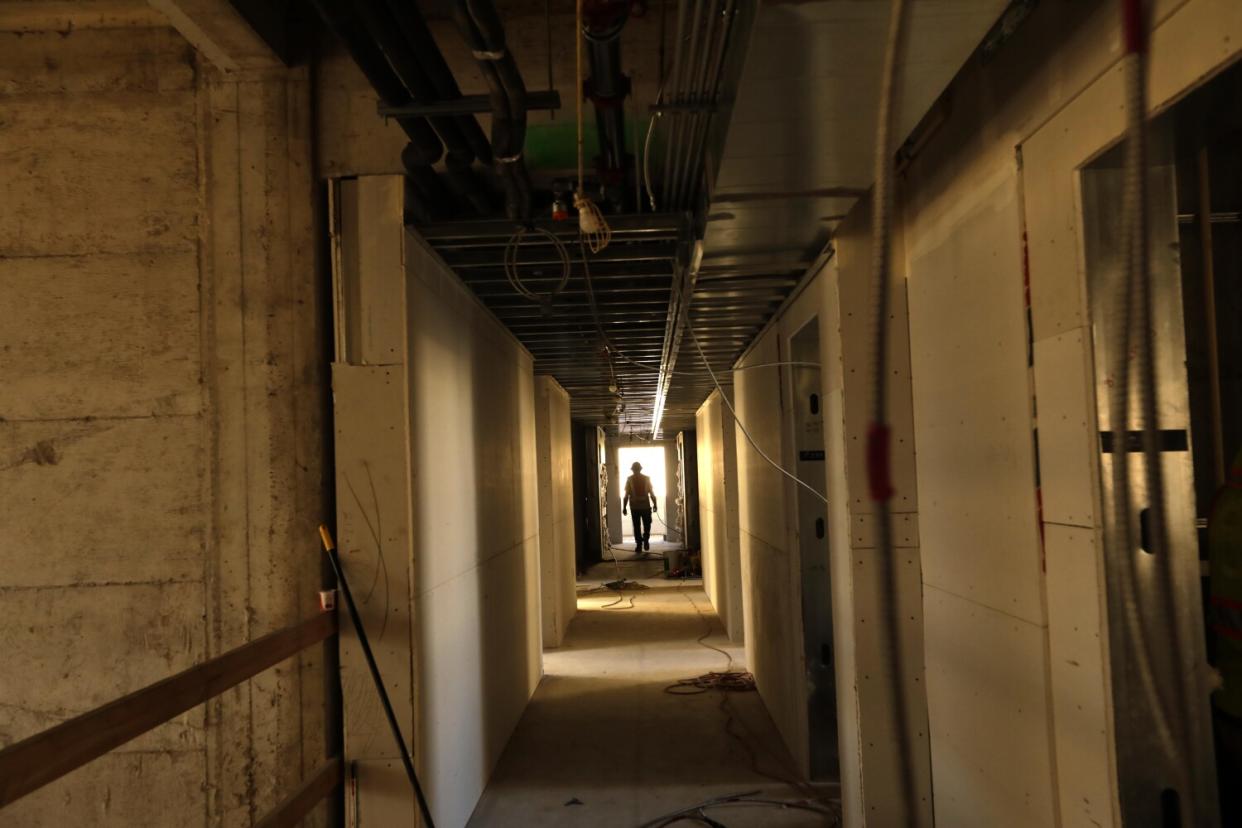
(386, 31)
(329, 546)
(608, 86)
(436, 70)
(424, 148)
(480, 27)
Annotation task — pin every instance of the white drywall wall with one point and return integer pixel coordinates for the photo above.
(557, 575)
(160, 428)
(476, 532)
(438, 512)
(771, 565)
(718, 512)
(870, 781)
(1000, 601)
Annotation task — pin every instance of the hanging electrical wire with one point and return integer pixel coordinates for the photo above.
(742, 427)
(655, 116)
(879, 470)
(592, 225)
(514, 276)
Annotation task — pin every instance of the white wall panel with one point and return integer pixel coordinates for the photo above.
(987, 692)
(1067, 467)
(1078, 658)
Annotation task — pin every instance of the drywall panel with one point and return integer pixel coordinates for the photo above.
(987, 694)
(718, 512)
(1077, 657)
(972, 403)
(373, 536)
(1067, 467)
(1193, 41)
(772, 575)
(870, 769)
(476, 545)
(557, 575)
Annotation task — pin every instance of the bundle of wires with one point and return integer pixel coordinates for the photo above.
(515, 277)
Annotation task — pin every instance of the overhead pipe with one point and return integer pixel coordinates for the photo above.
(431, 60)
(386, 30)
(481, 28)
(424, 148)
(607, 87)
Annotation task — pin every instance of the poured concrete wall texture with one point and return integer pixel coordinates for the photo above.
(718, 512)
(160, 437)
(1015, 635)
(555, 495)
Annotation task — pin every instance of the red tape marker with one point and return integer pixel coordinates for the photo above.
(878, 462)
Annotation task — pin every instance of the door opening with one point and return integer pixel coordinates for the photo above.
(812, 529)
(1195, 250)
(652, 459)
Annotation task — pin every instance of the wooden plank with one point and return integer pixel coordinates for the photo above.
(310, 793)
(47, 756)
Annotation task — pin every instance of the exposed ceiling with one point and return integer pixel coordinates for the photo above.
(800, 111)
(801, 147)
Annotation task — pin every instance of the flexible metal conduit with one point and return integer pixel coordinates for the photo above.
(704, 28)
(481, 28)
(424, 149)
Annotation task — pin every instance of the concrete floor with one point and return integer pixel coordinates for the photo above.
(602, 745)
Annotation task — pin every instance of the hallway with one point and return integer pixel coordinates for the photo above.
(601, 730)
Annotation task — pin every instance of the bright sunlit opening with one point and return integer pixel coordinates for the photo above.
(652, 458)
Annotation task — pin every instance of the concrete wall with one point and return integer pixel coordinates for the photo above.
(555, 493)
(771, 565)
(160, 428)
(718, 512)
(437, 490)
(1016, 640)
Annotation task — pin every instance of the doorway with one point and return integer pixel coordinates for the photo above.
(1195, 249)
(811, 526)
(652, 459)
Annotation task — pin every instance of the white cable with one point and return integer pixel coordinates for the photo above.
(655, 116)
(741, 426)
(515, 278)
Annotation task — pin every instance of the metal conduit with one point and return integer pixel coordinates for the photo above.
(386, 29)
(704, 28)
(424, 148)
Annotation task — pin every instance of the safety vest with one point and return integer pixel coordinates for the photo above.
(1225, 607)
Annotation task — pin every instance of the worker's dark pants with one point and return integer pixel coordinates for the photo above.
(642, 526)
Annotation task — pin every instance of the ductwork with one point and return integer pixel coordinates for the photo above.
(480, 27)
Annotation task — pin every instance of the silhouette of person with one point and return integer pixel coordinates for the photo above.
(638, 490)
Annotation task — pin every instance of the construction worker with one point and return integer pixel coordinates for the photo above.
(1225, 619)
(638, 489)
